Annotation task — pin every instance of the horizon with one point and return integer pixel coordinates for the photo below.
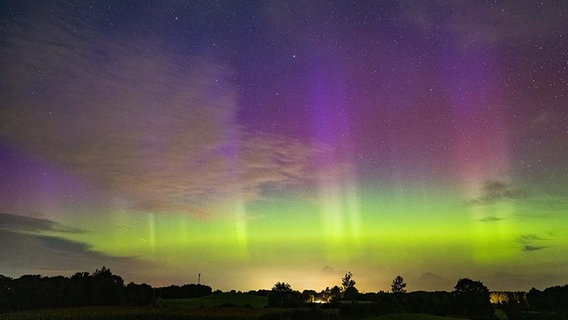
(263, 142)
(214, 290)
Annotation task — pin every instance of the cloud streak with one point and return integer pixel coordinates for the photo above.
(533, 248)
(19, 223)
(157, 130)
(495, 191)
(25, 248)
(490, 219)
(531, 242)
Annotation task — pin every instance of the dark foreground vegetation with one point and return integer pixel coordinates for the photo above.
(103, 295)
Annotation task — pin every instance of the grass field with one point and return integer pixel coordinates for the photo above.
(214, 313)
(407, 316)
(139, 313)
(220, 306)
(218, 299)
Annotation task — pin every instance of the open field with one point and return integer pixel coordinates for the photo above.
(218, 306)
(138, 313)
(407, 316)
(224, 306)
(217, 299)
(198, 313)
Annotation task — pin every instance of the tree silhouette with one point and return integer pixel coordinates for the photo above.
(282, 287)
(185, 291)
(281, 295)
(347, 281)
(106, 288)
(551, 299)
(472, 299)
(309, 296)
(348, 284)
(5, 293)
(80, 289)
(398, 285)
(331, 295)
(335, 293)
(139, 294)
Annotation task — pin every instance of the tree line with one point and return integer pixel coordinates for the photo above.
(101, 287)
(469, 298)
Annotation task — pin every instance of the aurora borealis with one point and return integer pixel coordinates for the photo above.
(256, 142)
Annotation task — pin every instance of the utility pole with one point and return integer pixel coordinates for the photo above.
(198, 278)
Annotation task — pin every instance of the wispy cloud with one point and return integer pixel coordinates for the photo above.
(495, 191)
(329, 270)
(533, 248)
(531, 242)
(472, 23)
(490, 219)
(156, 130)
(19, 223)
(526, 238)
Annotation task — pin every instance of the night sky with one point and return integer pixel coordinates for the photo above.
(256, 142)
